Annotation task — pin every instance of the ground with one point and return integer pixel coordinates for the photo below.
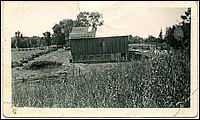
(59, 56)
(162, 81)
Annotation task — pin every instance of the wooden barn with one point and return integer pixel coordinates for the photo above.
(100, 49)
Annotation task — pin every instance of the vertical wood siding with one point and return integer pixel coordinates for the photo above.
(102, 48)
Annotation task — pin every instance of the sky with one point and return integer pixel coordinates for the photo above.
(32, 18)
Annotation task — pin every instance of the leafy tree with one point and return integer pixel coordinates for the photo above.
(66, 26)
(57, 29)
(62, 30)
(186, 27)
(20, 41)
(178, 36)
(135, 39)
(18, 37)
(13, 42)
(47, 38)
(151, 39)
(85, 19)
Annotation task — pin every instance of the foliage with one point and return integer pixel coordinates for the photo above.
(152, 39)
(47, 38)
(16, 40)
(27, 42)
(161, 82)
(178, 36)
(134, 39)
(159, 40)
(62, 30)
(160, 35)
(85, 19)
(42, 64)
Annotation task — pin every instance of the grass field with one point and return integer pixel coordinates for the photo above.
(17, 55)
(162, 82)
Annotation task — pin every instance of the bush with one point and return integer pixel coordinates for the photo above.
(42, 64)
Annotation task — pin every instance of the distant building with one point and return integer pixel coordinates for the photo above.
(82, 32)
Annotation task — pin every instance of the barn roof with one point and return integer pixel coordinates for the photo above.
(78, 32)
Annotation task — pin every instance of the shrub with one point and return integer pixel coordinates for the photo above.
(42, 64)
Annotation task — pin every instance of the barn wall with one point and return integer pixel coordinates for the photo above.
(99, 49)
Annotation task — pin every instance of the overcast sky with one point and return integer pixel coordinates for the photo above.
(121, 18)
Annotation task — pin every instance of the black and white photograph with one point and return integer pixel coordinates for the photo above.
(100, 58)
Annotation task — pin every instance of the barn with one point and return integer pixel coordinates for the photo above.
(85, 47)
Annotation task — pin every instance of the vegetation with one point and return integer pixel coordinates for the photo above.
(178, 36)
(61, 31)
(161, 82)
(47, 38)
(20, 41)
(85, 19)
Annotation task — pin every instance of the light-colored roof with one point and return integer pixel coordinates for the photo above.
(80, 29)
(78, 32)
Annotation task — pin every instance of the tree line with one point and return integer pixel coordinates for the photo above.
(177, 36)
(60, 33)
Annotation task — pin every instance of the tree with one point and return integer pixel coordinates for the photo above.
(151, 39)
(62, 30)
(160, 37)
(160, 34)
(18, 37)
(135, 39)
(47, 38)
(178, 36)
(85, 19)
(186, 28)
(187, 17)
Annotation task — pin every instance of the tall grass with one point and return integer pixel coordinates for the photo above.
(161, 82)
